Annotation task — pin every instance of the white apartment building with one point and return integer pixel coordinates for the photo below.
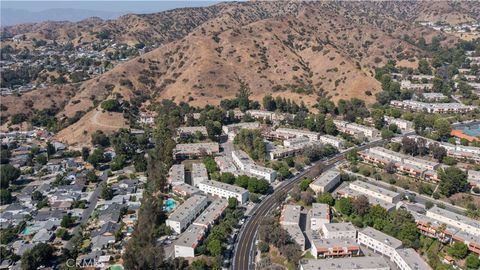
(190, 131)
(290, 221)
(246, 164)
(339, 230)
(260, 114)
(379, 241)
(326, 181)
(464, 223)
(226, 164)
(185, 190)
(199, 173)
(187, 242)
(184, 214)
(406, 84)
(347, 192)
(338, 143)
(213, 212)
(312, 136)
(401, 123)
(224, 190)
(352, 263)
(282, 152)
(176, 174)
(432, 107)
(233, 129)
(433, 97)
(329, 248)
(354, 129)
(301, 140)
(319, 214)
(375, 191)
(409, 259)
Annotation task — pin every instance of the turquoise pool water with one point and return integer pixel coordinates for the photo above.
(31, 230)
(169, 205)
(472, 130)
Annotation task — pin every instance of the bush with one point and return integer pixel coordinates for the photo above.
(111, 105)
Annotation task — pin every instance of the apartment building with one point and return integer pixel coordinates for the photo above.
(184, 214)
(331, 248)
(319, 214)
(312, 136)
(409, 259)
(376, 191)
(422, 77)
(296, 141)
(185, 190)
(402, 124)
(282, 152)
(190, 150)
(466, 224)
(356, 130)
(418, 106)
(347, 192)
(433, 97)
(267, 115)
(183, 132)
(408, 85)
(326, 181)
(338, 143)
(233, 129)
(339, 230)
(379, 241)
(290, 221)
(176, 174)
(474, 178)
(199, 173)
(353, 263)
(213, 212)
(226, 164)
(189, 240)
(246, 164)
(224, 190)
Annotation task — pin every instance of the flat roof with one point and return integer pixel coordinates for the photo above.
(224, 186)
(353, 263)
(213, 211)
(320, 210)
(413, 259)
(382, 237)
(334, 243)
(326, 177)
(454, 216)
(336, 227)
(192, 130)
(199, 170)
(182, 211)
(177, 173)
(183, 187)
(191, 236)
(196, 147)
(291, 214)
(297, 131)
(374, 188)
(372, 200)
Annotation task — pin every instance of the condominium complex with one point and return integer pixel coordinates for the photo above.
(319, 214)
(356, 129)
(338, 143)
(376, 191)
(326, 181)
(176, 174)
(183, 132)
(419, 106)
(233, 129)
(329, 248)
(409, 259)
(268, 115)
(212, 213)
(185, 190)
(352, 263)
(401, 123)
(339, 230)
(433, 97)
(246, 164)
(295, 141)
(187, 242)
(224, 190)
(415, 167)
(189, 150)
(199, 173)
(466, 224)
(379, 241)
(406, 84)
(184, 214)
(225, 164)
(290, 221)
(312, 136)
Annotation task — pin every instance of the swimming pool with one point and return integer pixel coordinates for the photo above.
(169, 205)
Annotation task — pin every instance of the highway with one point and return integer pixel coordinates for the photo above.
(244, 252)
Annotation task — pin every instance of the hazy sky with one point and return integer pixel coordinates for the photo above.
(105, 5)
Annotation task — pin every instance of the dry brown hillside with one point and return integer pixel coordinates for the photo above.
(301, 50)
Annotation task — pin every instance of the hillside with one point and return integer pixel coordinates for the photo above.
(300, 50)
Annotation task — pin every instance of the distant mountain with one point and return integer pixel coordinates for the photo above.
(10, 16)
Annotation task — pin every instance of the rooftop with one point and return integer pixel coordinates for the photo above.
(413, 259)
(224, 186)
(182, 211)
(191, 236)
(326, 177)
(382, 237)
(354, 263)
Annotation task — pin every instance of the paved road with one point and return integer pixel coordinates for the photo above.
(92, 203)
(245, 249)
